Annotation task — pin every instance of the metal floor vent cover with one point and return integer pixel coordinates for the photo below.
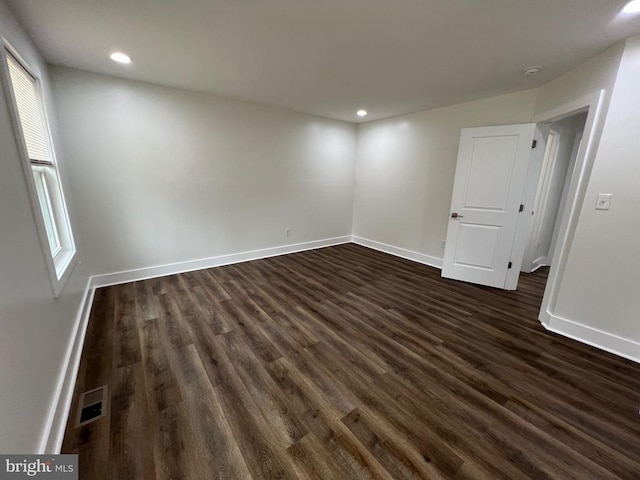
(93, 405)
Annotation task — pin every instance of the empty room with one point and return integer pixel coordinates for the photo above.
(337, 239)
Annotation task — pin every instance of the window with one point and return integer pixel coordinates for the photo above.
(40, 167)
(47, 212)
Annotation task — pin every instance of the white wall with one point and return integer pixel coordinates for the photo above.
(600, 284)
(35, 329)
(406, 165)
(595, 74)
(162, 175)
(404, 177)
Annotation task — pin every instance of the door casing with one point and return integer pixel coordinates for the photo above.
(593, 104)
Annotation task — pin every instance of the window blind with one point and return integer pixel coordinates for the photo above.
(29, 104)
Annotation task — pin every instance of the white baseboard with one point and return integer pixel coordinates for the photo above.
(56, 422)
(591, 336)
(191, 265)
(399, 252)
(539, 263)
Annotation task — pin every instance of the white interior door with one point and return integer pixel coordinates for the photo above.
(485, 205)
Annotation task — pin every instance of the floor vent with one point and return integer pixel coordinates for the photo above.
(93, 405)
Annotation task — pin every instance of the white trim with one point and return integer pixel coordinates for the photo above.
(529, 198)
(535, 266)
(191, 265)
(591, 336)
(594, 103)
(56, 421)
(58, 274)
(523, 225)
(569, 109)
(539, 262)
(399, 252)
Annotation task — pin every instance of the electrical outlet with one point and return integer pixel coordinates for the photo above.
(287, 232)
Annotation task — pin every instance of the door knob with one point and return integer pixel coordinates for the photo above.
(455, 215)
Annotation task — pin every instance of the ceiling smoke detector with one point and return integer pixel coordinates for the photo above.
(531, 71)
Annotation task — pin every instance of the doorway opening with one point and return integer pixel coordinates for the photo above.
(551, 184)
(591, 109)
(500, 186)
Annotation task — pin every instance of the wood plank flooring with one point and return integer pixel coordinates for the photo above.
(346, 363)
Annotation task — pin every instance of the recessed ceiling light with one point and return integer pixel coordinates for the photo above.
(361, 113)
(632, 7)
(531, 71)
(120, 57)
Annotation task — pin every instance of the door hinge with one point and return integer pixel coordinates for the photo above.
(509, 266)
(534, 144)
(521, 208)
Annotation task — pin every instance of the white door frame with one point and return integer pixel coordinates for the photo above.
(528, 199)
(575, 149)
(594, 104)
(540, 198)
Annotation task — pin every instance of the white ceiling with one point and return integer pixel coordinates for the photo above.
(330, 57)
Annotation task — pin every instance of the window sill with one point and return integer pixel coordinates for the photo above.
(64, 263)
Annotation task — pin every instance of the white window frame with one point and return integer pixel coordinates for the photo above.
(60, 256)
(47, 211)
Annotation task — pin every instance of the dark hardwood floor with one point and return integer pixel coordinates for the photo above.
(346, 363)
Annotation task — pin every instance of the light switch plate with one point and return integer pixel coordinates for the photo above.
(604, 201)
